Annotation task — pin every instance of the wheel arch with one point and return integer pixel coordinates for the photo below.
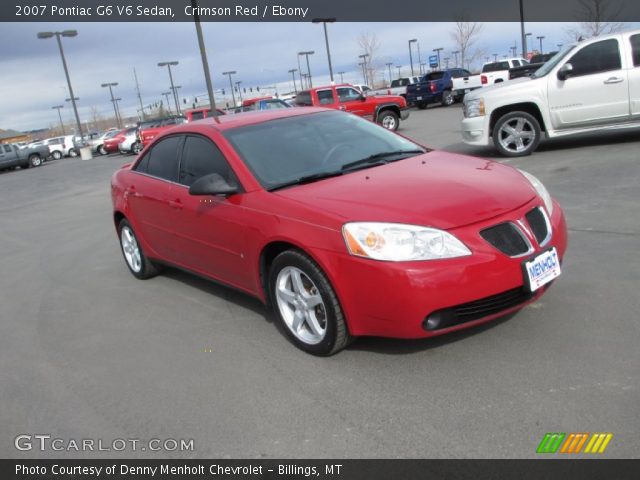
(528, 107)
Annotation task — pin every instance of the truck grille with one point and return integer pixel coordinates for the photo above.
(539, 226)
(507, 238)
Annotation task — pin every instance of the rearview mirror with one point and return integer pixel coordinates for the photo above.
(213, 184)
(565, 71)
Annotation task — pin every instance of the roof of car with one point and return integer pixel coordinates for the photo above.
(227, 122)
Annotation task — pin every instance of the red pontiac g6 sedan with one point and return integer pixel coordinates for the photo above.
(343, 227)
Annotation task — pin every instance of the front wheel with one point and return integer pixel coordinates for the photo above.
(516, 134)
(136, 147)
(139, 265)
(306, 304)
(102, 150)
(73, 152)
(389, 120)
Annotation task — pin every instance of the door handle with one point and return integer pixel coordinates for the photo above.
(611, 80)
(175, 204)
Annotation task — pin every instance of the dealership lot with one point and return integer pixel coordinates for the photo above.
(87, 351)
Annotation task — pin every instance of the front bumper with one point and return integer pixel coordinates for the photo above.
(395, 299)
(475, 130)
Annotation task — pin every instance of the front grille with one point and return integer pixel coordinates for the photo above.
(477, 309)
(538, 224)
(507, 238)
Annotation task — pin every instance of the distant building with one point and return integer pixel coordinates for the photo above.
(11, 136)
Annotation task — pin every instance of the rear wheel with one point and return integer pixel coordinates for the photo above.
(34, 161)
(421, 105)
(389, 120)
(306, 304)
(516, 134)
(57, 155)
(447, 98)
(73, 152)
(139, 265)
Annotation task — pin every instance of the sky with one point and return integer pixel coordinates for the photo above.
(32, 77)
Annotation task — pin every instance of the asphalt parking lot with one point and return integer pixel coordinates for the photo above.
(88, 351)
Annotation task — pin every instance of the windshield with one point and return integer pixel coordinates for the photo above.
(280, 152)
(553, 61)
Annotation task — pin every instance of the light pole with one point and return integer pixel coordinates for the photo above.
(205, 61)
(166, 95)
(364, 67)
(169, 65)
(540, 37)
(58, 107)
(300, 72)
(446, 62)
(324, 22)
(438, 50)
(411, 55)
(389, 67)
(65, 33)
(115, 106)
(175, 89)
(522, 34)
(135, 75)
(419, 58)
(239, 91)
(456, 57)
(341, 77)
(495, 57)
(398, 67)
(364, 74)
(293, 76)
(306, 54)
(425, 67)
(231, 72)
(526, 48)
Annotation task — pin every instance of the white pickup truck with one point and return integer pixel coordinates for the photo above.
(397, 87)
(586, 87)
(497, 72)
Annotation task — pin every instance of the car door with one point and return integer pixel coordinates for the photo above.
(149, 196)
(350, 100)
(7, 156)
(634, 76)
(595, 93)
(210, 231)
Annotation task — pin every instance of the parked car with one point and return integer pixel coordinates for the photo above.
(397, 87)
(149, 129)
(498, 72)
(97, 144)
(112, 144)
(261, 103)
(387, 110)
(12, 156)
(194, 114)
(535, 63)
(127, 140)
(61, 147)
(438, 87)
(586, 87)
(344, 228)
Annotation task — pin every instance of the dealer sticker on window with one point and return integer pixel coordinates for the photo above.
(542, 269)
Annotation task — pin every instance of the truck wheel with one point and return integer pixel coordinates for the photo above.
(57, 155)
(34, 161)
(447, 98)
(516, 134)
(389, 120)
(421, 105)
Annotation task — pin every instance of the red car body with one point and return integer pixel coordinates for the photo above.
(230, 239)
(111, 144)
(150, 130)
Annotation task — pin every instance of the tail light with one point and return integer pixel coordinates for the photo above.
(432, 87)
(483, 79)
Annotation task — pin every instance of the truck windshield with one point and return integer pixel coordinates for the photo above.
(553, 61)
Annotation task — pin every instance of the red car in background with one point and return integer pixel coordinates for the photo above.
(194, 114)
(343, 227)
(150, 129)
(386, 110)
(110, 145)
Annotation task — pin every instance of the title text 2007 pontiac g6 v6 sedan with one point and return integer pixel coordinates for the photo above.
(345, 228)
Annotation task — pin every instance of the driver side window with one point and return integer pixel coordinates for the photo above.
(596, 58)
(348, 94)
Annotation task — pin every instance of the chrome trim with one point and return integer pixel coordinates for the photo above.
(546, 239)
(520, 228)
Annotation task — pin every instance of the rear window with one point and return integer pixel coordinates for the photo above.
(304, 99)
(430, 77)
(495, 67)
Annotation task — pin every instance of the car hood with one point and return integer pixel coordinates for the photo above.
(436, 189)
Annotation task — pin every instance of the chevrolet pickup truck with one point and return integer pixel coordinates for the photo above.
(397, 87)
(587, 87)
(442, 86)
(386, 110)
(498, 72)
(535, 63)
(11, 156)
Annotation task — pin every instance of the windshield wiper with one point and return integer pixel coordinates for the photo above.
(378, 159)
(307, 179)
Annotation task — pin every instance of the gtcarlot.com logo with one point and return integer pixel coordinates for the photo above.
(574, 443)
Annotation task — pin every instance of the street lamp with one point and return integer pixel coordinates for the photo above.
(341, 77)
(398, 67)
(205, 61)
(364, 74)
(446, 62)
(65, 33)
(495, 57)
(175, 89)
(526, 49)
(306, 54)
(324, 22)
(410, 54)
(166, 95)
(540, 37)
(456, 57)
(239, 91)
(58, 107)
(115, 107)
(231, 72)
(364, 67)
(438, 50)
(293, 76)
(389, 67)
(169, 65)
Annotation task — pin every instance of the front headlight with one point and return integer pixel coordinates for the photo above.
(540, 189)
(474, 108)
(396, 242)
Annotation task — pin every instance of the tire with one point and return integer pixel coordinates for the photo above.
(34, 161)
(389, 120)
(136, 148)
(101, 150)
(57, 154)
(137, 262)
(421, 105)
(73, 152)
(330, 333)
(524, 130)
(447, 98)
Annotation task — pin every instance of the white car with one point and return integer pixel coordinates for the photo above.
(498, 72)
(586, 87)
(61, 147)
(129, 144)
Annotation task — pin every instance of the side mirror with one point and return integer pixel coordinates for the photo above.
(565, 71)
(212, 184)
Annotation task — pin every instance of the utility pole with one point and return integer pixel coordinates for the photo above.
(231, 72)
(58, 107)
(293, 76)
(205, 61)
(135, 75)
(389, 67)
